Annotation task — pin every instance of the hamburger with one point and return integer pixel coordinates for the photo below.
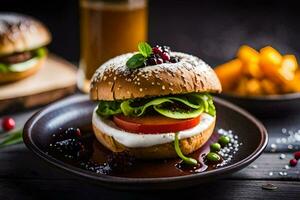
(22, 46)
(154, 103)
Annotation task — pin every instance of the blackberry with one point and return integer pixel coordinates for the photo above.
(151, 61)
(72, 149)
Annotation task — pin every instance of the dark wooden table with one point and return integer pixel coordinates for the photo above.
(24, 176)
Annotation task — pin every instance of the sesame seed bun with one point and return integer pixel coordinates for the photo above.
(20, 33)
(114, 81)
(161, 151)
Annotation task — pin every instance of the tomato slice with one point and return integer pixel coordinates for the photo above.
(154, 124)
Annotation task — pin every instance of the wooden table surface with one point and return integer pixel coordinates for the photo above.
(24, 176)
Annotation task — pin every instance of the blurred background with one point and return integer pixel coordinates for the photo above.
(210, 29)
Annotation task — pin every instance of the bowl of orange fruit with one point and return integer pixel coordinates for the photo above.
(263, 81)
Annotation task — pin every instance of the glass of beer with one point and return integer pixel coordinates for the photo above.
(108, 28)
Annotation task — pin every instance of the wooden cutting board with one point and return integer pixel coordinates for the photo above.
(56, 79)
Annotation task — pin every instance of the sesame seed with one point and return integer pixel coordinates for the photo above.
(141, 89)
(163, 87)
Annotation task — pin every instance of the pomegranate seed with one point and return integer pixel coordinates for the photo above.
(157, 50)
(297, 155)
(165, 56)
(8, 123)
(293, 162)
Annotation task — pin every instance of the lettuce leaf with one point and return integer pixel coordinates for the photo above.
(108, 108)
(177, 107)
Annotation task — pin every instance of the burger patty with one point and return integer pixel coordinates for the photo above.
(16, 57)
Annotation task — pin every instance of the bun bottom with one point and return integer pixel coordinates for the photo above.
(15, 76)
(167, 150)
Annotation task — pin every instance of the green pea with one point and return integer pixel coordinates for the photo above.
(213, 157)
(224, 140)
(215, 147)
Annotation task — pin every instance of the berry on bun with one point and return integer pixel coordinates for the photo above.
(155, 103)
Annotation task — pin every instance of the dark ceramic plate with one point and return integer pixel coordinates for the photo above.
(77, 111)
(267, 106)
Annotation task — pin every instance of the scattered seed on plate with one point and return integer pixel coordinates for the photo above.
(286, 167)
(282, 173)
(285, 173)
(230, 147)
(282, 156)
(254, 166)
(273, 147)
(270, 173)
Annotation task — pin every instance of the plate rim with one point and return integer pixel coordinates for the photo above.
(29, 142)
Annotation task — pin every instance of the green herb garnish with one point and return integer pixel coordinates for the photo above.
(137, 60)
(11, 138)
(186, 160)
(145, 49)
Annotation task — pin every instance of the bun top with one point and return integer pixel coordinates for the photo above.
(114, 81)
(20, 33)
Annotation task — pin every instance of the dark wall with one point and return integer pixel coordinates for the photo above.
(210, 29)
(61, 17)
